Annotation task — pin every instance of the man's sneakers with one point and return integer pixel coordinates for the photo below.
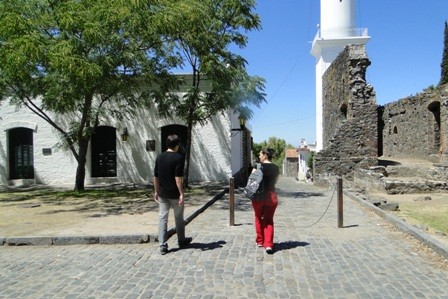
(184, 242)
(163, 249)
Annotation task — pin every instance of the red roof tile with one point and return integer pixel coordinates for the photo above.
(291, 153)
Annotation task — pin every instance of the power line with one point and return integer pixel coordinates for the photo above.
(280, 86)
(287, 122)
(290, 71)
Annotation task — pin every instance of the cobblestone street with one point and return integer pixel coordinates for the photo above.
(367, 258)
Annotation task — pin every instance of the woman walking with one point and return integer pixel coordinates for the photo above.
(264, 208)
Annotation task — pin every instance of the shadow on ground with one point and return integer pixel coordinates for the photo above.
(100, 201)
(201, 246)
(283, 193)
(289, 245)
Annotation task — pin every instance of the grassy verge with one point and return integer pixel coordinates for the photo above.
(53, 195)
(435, 217)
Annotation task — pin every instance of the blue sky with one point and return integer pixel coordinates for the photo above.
(405, 50)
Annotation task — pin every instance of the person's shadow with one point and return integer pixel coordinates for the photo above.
(287, 245)
(201, 246)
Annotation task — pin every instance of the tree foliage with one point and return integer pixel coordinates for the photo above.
(73, 58)
(278, 145)
(444, 64)
(310, 160)
(84, 59)
(219, 77)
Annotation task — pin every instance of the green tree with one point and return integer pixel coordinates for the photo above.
(444, 64)
(310, 160)
(278, 145)
(73, 58)
(219, 77)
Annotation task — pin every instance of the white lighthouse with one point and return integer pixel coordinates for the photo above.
(337, 29)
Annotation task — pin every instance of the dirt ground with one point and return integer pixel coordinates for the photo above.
(34, 218)
(30, 213)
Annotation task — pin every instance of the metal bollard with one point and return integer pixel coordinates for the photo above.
(232, 201)
(340, 204)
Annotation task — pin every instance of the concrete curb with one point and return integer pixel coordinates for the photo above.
(77, 240)
(436, 245)
(100, 239)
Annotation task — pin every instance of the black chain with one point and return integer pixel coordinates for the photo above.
(331, 199)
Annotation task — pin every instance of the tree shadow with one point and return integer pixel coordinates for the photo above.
(283, 193)
(99, 202)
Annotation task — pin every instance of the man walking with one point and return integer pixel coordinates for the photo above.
(168, 187)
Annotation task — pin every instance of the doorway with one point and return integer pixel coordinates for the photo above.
(434, 108)
(20, 153)
(104, 152)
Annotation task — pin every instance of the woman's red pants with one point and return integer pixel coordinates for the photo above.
(264, 219)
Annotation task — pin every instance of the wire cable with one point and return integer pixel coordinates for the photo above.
(331, 200)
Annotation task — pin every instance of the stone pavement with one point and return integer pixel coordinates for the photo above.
(368, 258)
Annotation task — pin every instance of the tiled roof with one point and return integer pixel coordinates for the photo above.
(291, 153)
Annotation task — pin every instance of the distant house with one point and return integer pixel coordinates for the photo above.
(290, 165)
(304, 152)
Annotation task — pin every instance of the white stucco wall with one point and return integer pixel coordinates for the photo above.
(303, 168)
(57, 168)
(210, 161)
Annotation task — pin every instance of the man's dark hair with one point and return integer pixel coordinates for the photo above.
(172, 141)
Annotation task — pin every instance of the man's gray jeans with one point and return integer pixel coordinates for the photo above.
(164, 209)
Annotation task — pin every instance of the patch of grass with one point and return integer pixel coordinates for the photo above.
(61, 195)
(101, 194)
(106, 195)
(435, 217)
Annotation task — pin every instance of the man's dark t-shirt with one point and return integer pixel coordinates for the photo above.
(168, 166)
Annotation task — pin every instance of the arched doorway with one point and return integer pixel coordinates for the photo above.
(381, 127)
(104, 152)
(434, 107)
(343, 109)
(20, 153)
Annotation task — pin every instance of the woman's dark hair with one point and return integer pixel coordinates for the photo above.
(172, 141)
(269, 152)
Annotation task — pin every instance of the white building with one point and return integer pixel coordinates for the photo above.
(31, 151)
(304, 151)
(336, 30)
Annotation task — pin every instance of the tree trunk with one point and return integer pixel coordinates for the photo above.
(81, 169)
(188, 154)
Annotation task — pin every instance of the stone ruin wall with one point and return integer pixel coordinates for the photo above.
(416, 126)
(349, 118)
(291, 167)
